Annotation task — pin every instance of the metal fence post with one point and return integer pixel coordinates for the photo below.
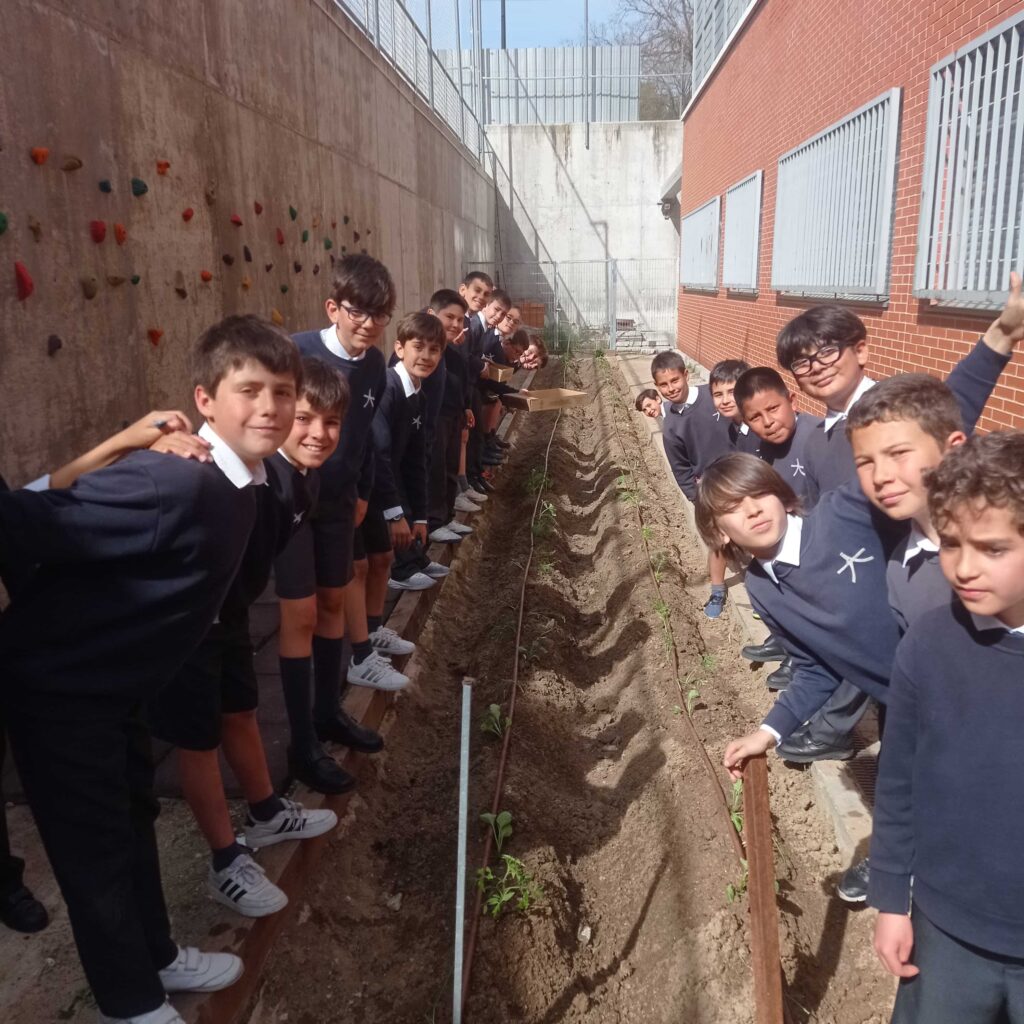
(613, 284)
(376, 24)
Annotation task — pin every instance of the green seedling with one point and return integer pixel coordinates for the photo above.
(515, 887)
(537, 481)
(647, 533)
(628, 492)
(546, 564)
(734, 890)
(677, 710)
(494, 721)
(501, 826)
(545, 521)
(708, 662)
(736, 806)
(533, 651)
(658, 562)
(692, 696)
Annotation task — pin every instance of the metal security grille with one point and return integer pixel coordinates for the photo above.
(833, 206)
(713, 21)
(971, 229)
(584, 304)
(742, 233)
(698, 259)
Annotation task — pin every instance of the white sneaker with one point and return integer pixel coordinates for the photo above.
(417, 581)
(442, 535)
(475, 495)
(243, 886)
(463, 504)
(377, 674)
(293, 822)
(461, 528)
(387, 641)
(437, 571)
(165, 1014)
(193, 971)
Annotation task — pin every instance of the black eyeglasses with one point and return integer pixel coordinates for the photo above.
(824, 356)
(360, 316)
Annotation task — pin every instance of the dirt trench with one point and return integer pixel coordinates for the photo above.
(612, 811)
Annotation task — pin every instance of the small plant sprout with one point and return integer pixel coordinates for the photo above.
(708, 662)
(628, 492)
(545, 521)
(494, 721)
(736, 805)
(646, 532)
(501, 826)
(537, 481)
(513, 887)
(677, 710)
(658, 562)
(734, 890)
(692, 696)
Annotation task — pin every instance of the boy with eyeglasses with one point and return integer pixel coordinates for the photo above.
(359, 307)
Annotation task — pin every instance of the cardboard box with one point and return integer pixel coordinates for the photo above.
(492, 371)
(546, 398)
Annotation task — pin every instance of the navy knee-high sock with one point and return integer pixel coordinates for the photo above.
(326, 678)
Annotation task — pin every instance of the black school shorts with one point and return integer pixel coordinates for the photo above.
(295, 566)
(217, 679)
(333, 535)
(373, 536)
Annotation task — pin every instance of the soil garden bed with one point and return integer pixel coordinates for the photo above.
(612, 812)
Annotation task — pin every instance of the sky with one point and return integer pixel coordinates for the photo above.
(541, 22)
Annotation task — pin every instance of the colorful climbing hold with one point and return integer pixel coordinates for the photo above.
(98, 230)
(305, 236)
(364, 252)
(246, 282)
(332, 259)
(205, 275)
(268, 267)
(316, 221)
(345, 219)
(236, 220)
(284, 289)
(154, 334)
(114, 281)
(210, 194)
(162, 167)
(105, 186)
(135, 279)
(298, 267)
(23, 281)
(368, 232)
(279, 235)
(355, 236)
(90, 286)
(334, 223)
(53, 345)
(258, 207)
(120, 234)
(36, 228)
(344, 248)
(328, 244)
(187, 214)
(316, 269)
(71, 163)
(275, 316)
(247, 253)
(139, 187)
(179, 285)
(3, 222)
(292, 212)
(228, 259)
(39, 154)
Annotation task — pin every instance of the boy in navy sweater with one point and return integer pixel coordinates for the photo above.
(949, 815)
(359, 308)
(649, 402)
(482, 451)
(134, 563)
(400, 494)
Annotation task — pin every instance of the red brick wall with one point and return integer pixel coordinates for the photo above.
(797, 68)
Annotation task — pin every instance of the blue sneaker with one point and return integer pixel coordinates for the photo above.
(714, 605)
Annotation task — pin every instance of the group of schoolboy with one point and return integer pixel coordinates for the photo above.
(884, 550)
(130, 594)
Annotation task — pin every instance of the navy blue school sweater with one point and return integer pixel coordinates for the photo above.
(917, 587)
(351, 466)
(456, 386)
(949, 807)
(742, 440)
(828, 454)
(830, 611)
(694, 436)
(134, 563)
(399, 439)
(787, 458)
(432, 389)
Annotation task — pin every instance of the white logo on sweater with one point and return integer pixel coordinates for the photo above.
(297, 518)
(797, 467)
(851, 562)
(416, 422)
(368, 399)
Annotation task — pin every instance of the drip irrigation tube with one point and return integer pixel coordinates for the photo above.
(460, 882)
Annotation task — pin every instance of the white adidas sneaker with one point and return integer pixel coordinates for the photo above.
(165, 1014)
(460, 528)
(377, 674)
(442, 535)
(292, 822)
(437, 571)
(243, 886)
(387, 641)
(195, 971)
(475, 495)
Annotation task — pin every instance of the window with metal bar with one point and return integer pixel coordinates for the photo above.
(742, 233)
(698, 246)
(834, 207)
(971, 227)
(713, 22)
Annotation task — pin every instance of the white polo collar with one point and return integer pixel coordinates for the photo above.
(483, 320)
(409, 386)
(329, 336)
(918, 543)
(832, 418)
(229, 463)
(983, 622)
(692, 394)
(303, 470)
(789, 547)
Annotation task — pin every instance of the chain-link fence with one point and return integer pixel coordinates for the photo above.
(588, 304)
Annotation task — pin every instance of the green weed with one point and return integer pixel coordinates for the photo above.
(736, 806)
(537, 480)
(515, 887)
(692, 696)
(545, 521)
(734, 890)
(494, 721)
(501, 826)
(647, 533)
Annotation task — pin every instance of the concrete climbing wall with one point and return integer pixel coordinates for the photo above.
(224, 108)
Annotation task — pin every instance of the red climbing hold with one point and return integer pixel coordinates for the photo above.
(236, 220)
(120, 234)
(23, 279)
(155, 334)
(162, 167)
(258, 207)
(279, 234)
(205, 275)
(187, 214)
(39, 154)
(98, 230)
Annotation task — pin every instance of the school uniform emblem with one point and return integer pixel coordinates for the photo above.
(368, 400)
(417, 421)
(851, 562)
(797, 467)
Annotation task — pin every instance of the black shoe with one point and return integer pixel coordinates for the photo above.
(321, 773)
(478, 483)
(349, 733)
(22, 912)
(500, 443)
(803, 748)
(781, 678)
(770, 650)
(492, 459)
(853, 886)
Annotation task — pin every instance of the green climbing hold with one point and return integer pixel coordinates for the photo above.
(3, 222)
(292, 212)
(106, 187)
(139, 187)
(135, 279)
(305, 236)
(328, 244)
(284, 289)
